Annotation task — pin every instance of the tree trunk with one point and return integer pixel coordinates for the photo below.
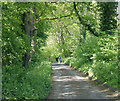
(62, 41)
(58, 37)
(29, 30)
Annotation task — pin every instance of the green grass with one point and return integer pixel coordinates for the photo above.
(21, 84)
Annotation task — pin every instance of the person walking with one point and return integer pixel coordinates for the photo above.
(59, 59)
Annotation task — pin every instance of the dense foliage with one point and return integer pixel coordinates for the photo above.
(22, 84)
(98, 60)
(34, 34)
(26, 69)
(88, 40)
(108, 19)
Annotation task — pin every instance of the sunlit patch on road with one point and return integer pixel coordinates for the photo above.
(69, 84)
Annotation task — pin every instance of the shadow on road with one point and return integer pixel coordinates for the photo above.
(69, 84)
(59, 64)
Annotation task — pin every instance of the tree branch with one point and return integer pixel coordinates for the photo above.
(53, 18)
(67, 29)
(58, 17)
(88, 26)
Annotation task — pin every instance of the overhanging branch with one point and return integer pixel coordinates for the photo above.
(58, 17)
(88, 26)
(53, 18)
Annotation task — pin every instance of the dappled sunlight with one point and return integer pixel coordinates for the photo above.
(115, 95)
(104, 90)
(69, 78)
(38, 37)
(67, 93)
(59, 68)
(58, 64)
(111, 92)
(108, 91)
(69, 84)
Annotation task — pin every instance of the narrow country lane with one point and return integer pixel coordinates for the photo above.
(69, 84)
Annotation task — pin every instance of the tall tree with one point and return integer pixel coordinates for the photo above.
(29, 31)
(84, 23)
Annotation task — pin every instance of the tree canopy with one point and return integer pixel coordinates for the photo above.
(84, 34)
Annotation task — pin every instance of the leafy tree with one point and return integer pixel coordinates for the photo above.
(108, 14)
(35, 33)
